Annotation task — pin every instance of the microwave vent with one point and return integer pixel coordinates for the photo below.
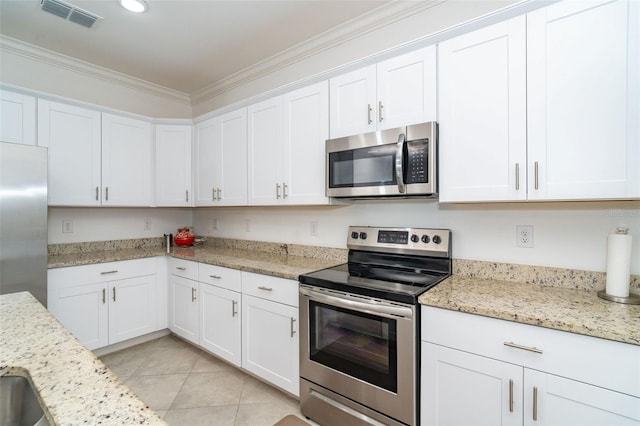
(69, 12)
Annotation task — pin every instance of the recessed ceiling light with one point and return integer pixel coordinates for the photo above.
(137, 6)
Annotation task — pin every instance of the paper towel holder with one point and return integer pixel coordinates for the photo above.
(632, 299)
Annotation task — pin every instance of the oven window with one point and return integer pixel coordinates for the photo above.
(358, 344)
(373, 166)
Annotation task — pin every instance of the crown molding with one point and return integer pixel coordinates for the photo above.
(58, 60)
(371, 21)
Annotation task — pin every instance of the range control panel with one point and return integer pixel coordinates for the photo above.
(417, 241)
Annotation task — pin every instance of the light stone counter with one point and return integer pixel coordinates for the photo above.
(568, 309)
(75, 386)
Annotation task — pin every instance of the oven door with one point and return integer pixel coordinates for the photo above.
(360, 348)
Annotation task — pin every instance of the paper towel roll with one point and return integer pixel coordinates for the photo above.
(618, 263)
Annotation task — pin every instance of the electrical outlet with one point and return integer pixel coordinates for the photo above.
(147, 224)
(214, 224)
(67, 226)
(313, 228)
(524, 235)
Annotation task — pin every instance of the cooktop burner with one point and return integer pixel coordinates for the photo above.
(396, 264)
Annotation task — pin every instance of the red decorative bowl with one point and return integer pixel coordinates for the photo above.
(184, 237)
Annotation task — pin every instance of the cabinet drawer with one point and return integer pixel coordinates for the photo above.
(183, 268)
(101, 272)
(605, 363)
(220, 276)
(271, 288)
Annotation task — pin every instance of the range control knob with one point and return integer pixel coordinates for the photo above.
(425, 239)
(354, 235)
(363, 235)
(415, 238)
(436, 239)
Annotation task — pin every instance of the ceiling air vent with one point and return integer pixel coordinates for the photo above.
(69, 12)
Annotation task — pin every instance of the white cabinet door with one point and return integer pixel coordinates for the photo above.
(406, 89)
(221, 160)
(459, 388)
(482, 114)
(583, 100)
(127, 147)
(265, 152)
(306, 128)
(183, 308)
(83, 310)
(72, 136)
(556, 401)
(17, 118)
(221, 323)
(132, 308)
(270, 342)
(173, 165)
(353, 102)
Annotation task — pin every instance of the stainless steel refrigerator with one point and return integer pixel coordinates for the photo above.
(23, 220)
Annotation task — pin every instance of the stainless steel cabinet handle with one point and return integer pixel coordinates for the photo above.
(234, 311)
(104, 296)
(182, 268)
(284, 190)
(106, 190)
(217, 277)
(97, 192)
(113, 290)
(369, 113)
(193, 294)
(292, 330)
(186, 192)
(511, 395)
(517, 176)
(535, 173)
(213, 194)
(277, 191)
(524, 348)
(219, 191)
(265, 288)
(380, 118)
(109, 272)
(535, 403)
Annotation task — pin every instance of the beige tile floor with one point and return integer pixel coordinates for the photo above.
(188, 386)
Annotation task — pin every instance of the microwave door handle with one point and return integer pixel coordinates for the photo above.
(399, 160)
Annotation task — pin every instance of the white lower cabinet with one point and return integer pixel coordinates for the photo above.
(106, 303)
(270, 330)
(183, 299)
(470, 376)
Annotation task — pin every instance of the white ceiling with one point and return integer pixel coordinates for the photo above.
(183, 45)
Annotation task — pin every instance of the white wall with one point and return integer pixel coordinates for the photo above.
(103, 224)
(567, 235)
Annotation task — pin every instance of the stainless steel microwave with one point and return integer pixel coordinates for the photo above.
(397, 162)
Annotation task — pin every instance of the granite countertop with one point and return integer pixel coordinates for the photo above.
(75, 386)
(261, 262)
(576, 311)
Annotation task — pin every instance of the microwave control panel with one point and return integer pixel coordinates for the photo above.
(417, 159)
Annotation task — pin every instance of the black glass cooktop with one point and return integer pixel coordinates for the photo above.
(397, 278)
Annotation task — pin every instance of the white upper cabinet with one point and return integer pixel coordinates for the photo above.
(583, 81)
(17, 118)
(543, 109)
(482, 114)
(127, 160)
(392, 93)
(286, 147)
(221, 160)
(173, 165)
(72, 136)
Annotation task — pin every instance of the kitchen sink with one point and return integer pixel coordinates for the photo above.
(19, 403)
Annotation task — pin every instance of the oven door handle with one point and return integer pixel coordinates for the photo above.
(399, 161)
(386, 310)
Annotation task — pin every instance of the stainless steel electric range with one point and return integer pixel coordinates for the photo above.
(360, 326)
